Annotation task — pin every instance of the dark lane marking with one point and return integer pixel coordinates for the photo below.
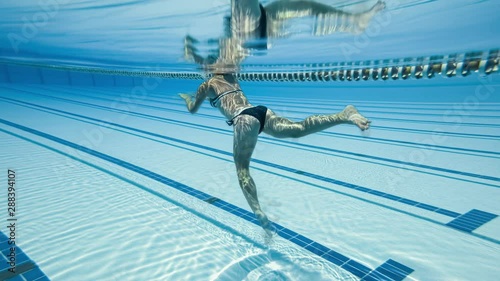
(461, 173)
(352, 186)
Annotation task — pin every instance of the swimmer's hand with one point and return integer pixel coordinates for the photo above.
(186, 97)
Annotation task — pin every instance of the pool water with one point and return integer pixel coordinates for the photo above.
(115, 180)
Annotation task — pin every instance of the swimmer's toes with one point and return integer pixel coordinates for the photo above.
(379, 6)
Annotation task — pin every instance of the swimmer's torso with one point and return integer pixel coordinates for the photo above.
(230, 104)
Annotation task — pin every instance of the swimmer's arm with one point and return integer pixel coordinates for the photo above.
(194, 103)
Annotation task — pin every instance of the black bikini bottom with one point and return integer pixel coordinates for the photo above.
(258, 112)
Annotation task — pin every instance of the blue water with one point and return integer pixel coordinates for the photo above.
(133, 34)
(117, 181)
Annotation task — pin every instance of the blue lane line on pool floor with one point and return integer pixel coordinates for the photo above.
(288, 169)
(371, 139)
(471, 220)
(379, 118)
(162, 99)
(336, 258)
(417, 165)
(467, 224)
(24, 266)
(473, 223)
(374, 126)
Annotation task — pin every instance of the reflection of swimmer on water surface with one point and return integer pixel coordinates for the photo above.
(251, 20)
(251, 24)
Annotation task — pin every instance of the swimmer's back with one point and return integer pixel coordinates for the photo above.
(230, 104)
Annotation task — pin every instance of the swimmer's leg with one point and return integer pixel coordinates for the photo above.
(327, 19)
(281, 127)
(246, 131)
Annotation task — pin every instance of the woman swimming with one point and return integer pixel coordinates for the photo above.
(248, 121)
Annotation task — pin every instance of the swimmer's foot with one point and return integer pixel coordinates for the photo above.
(269, 229)
(266, 224)
(353, 116)
(365, 18)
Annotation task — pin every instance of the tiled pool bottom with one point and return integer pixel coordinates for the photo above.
(24, 268)
(467, 223)
(391, 270)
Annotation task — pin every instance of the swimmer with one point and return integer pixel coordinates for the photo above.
(248, 121)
